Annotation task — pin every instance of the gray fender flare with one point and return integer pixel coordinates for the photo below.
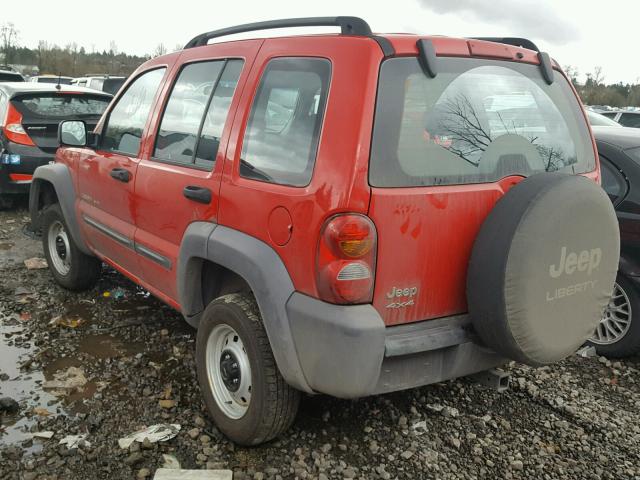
(263, 270)
(58, 175)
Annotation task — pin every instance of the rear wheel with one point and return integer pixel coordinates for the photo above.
(242, 387)
(618, 333)
(71, 268)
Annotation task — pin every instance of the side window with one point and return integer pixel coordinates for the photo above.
(128, 117)
(216, 116)
(630, 120)
(184, 129)
(281, 139)
(612, 180)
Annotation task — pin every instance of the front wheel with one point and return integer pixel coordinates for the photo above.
(243, 390)
(618, 333)
(71, 268)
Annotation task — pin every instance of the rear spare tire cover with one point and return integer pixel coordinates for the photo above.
(542, 268)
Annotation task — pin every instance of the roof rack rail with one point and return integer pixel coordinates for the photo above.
(515, 41)
(348, 26)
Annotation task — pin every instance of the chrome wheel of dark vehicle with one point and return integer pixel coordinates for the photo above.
(616, 318)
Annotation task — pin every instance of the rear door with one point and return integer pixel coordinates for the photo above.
(107, 175)
(444, 150)
(178, 179)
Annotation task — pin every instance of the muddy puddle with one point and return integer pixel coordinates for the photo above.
(24, 387)
(30, 377)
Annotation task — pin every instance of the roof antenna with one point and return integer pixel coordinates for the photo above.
(58, 87)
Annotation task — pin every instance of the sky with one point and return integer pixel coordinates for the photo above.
(582, 34)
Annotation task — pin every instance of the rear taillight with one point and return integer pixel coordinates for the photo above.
(347, 259)
(13, 129)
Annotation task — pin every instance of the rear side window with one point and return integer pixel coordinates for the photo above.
(201, 87)
(477, 121)
(112, 85)
(612, 180)
(630, 120)
(129, 116)
(281, 139)
(59, 105)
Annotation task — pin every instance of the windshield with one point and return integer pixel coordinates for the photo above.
(598, 120)
(61, 105)
(477, 121)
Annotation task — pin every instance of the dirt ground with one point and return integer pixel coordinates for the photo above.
(132, 360)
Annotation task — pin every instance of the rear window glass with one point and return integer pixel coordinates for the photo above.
(61, 105)
(11, 77)
(60, 80)
(477, 121)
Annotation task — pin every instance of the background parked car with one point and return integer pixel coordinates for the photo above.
(618, 334)
(51, 79)
(9, 75)
(624, 118)
(103, 83)
(29, 118)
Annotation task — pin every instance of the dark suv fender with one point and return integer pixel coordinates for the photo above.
(59, 176)
(629, 266)
(261, 268)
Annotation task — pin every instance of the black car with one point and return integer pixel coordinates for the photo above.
(618, 334)
(29, 118)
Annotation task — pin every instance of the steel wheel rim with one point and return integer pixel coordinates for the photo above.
(616, 318)
(59, 248)
(226, 361)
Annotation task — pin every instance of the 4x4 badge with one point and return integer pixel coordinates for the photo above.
(403, 295)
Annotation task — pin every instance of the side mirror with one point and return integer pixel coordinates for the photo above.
(72, 133)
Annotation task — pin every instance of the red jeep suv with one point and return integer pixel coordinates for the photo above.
(347, 214)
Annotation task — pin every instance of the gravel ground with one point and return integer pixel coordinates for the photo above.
(576, 420)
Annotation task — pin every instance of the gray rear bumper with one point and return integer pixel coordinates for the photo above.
(348, 352)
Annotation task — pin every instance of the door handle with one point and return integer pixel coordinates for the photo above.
(120, 174)
(197, 194)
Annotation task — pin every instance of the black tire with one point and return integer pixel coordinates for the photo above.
(629, 344)
(84, 270)
(274, 404)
